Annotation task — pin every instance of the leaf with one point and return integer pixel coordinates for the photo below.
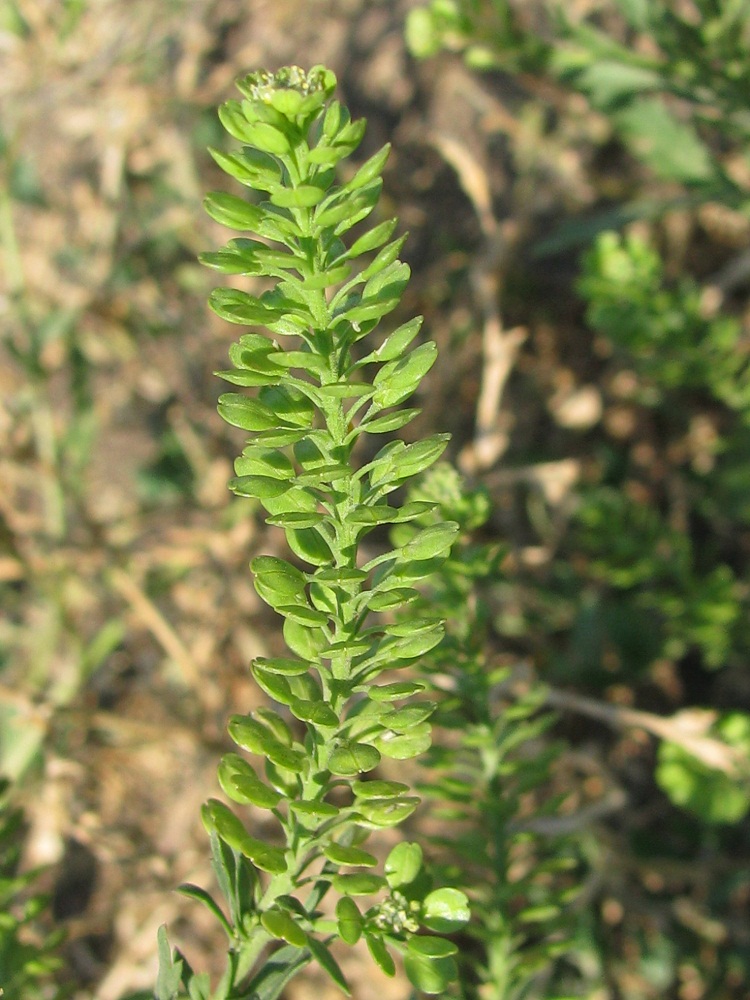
(240, 783)
(397, 380)
(328, 963)
(242, 411)
(404, 746)
(252, 735)
(260, 487)
(283, 665)
(381, 955)
(445, 911)
(277, 581)
(370, 169)
(339, 854)
(316, 713)
(385, 260)
(310, 545)
(360, 884)
(387, 812)
(432, 541)
(671, 148)
(283, 927)
(250, 167)
(378, 789)
(395, 691)
(199, 894)
(372, 239)
(304, 641)
(396, 343)
(304, 196)
(241, 307)
(276, 972)
(390, 422)
(273, 684)
(316, 809)
(303, 614)
(219, 818)
(169, 976)
(409, 647)
(403, 864)
(290, 406)
(233, 212)
(427, 964)
(404, 720)
(389, 600)
(350, 758)
(713, 795)
(349, 920)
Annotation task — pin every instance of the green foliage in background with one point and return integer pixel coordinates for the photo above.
(647, 568)
(490, 774)
(29, 955)
(341, 705)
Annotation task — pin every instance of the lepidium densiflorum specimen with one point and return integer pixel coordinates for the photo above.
(341, 703)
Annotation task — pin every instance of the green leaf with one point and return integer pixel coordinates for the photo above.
(395, 691)
(274, 685)
(378, 789)
(283, 665)
(304, 196)
(169, 977)
(445, 911)
(403, 864)
(381, 955)
(409, 647)
(370, 169)
(277, 581)
(389, 600)
(428, 966)
(431, 947)
(350, 758)
(316, 713)
(217, 817)
(253, 736)
(328, 963)
(342, 855)
(360, 884)
(241, 784)
(397, 380)
(303, 614)
(241, 307)
(282, 926)
(671, 148)
(277, 971)
(349, 920)
(304, 641)
(200, 894)
(310, 545)
(290, 406)
(273, 722)
(372, 239)
(390, 422)
(387, 812)
(433, 541)
(260, 487)
(250, 167)
(711, 794)
(233, 212)
(404, 746)
(242, 411)
(312, 815)
(404, 720)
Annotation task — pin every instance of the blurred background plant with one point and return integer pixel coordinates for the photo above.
(575, 179)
